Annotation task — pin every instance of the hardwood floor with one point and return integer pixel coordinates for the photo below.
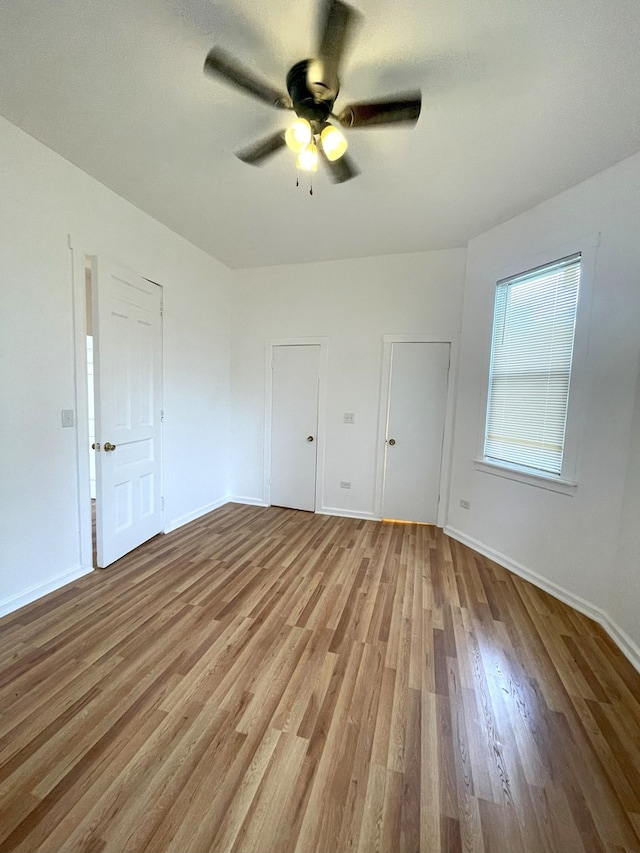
(269, 680)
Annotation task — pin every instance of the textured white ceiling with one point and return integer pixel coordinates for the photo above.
(521, 99)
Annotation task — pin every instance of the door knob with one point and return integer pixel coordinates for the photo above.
(108, 446)
(392, 441)
(95, 445)
(309, 438)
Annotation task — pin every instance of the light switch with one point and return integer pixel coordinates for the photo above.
(349, 417)
(67, 418)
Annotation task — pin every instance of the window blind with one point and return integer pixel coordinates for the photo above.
(531, 352)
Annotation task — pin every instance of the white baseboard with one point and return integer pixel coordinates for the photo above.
(347, 513)
(237, 499)
(197, 513)
(325, 510)
(625, 643)
(15, 602)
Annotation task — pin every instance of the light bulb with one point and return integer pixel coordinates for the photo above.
(308, 158)
(333, 142)
(298, 136)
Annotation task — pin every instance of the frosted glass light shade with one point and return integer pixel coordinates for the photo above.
(298, 135)
(333, 142)
(308, 158)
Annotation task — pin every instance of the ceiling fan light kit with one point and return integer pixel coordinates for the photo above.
(312, 88)
(303, 138)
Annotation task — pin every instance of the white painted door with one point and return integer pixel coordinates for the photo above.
(294, 425)
(128, 399)
(416, 411)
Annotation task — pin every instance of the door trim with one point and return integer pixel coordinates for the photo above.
(322, 342)
(85, 549)
(447, 442)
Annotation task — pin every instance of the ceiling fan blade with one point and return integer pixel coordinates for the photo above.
(336, 23)
(222, 65)
(339, 170)
(401, 108)
(259, 151)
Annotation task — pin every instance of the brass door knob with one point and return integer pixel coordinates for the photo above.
(309, 438)
(392, 441)
(108, 446)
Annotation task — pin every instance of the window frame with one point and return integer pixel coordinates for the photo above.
(567, 481)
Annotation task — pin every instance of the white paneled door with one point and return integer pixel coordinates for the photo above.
(416, 412)
(294, 425)
(128, 400)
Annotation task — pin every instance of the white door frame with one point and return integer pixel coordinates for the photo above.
(82, 406)
(447, 443)
(79, 298)
(322, 342)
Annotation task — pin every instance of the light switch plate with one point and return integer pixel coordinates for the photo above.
(349, 417)
(67, 418)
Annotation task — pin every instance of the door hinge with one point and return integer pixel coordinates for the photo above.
(161, 416)
(162, 504)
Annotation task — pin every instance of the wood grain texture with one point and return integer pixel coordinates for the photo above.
(266, 681)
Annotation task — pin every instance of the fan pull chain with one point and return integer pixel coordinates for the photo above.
(297, 177)
(310, 184)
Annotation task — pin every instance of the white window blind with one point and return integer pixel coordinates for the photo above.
(531, 352)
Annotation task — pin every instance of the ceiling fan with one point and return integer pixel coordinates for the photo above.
(312, 88)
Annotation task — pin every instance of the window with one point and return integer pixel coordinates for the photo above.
(531, 354)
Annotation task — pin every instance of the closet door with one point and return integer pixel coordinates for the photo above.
(416, 410)
(294, 425)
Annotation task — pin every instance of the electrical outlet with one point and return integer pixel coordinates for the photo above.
(67, 417)
(345, 484)
(349, 417)
(465, 504)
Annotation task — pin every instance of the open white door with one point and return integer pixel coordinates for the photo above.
(294, 425)
(416, 412)
(128, 400)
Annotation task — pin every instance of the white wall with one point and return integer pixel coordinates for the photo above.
(570, 541)
(353, 303)
(43, 199)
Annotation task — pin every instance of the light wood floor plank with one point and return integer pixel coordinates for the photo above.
(272, 681)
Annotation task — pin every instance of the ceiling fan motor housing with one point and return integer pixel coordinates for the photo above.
(314, 108)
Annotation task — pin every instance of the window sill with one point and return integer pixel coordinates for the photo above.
(552, 484)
